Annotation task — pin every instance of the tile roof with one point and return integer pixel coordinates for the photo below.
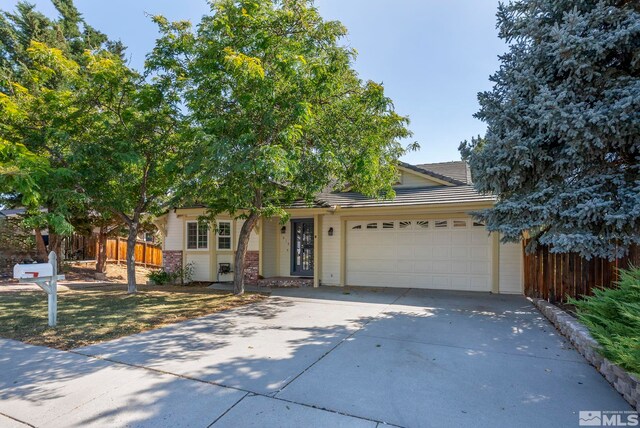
(13, 212)
(457, 170)
(430, 195)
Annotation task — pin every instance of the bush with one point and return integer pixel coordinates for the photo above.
(184, 275)
(613, 317)
(160, 277)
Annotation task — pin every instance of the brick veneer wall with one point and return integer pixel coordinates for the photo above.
(172, 260)
(251, 264)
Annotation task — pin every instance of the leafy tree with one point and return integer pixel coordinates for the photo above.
(132, 152)
(38, 117)
(278, 113)
(562, 148)
(35, 93)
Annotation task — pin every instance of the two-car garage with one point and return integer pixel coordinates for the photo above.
(444, 253)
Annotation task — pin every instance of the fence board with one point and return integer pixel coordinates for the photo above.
(555, 277)
(146, 254)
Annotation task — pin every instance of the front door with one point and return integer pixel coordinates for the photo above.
(302, 245)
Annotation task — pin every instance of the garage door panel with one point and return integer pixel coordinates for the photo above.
(460, 238)
(460, 282)
(479, 268)
(422, 266)
(442, 253)
(386, 253)
(420, 256)
(405, 252)
(441, 238)
(460, 267)
(479, 237)
(422, 252)
(405, 265)
(441, 281)
(379, 280)
(479, 283)
(461, 253)
(442, 267)
(371, 266)
(479, 253)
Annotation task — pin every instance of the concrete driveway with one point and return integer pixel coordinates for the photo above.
(323, 357)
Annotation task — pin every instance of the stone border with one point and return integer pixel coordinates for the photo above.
(625, 383)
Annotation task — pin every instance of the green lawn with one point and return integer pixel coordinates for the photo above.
(94, 315)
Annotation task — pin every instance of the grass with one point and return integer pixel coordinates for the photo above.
(87, 316)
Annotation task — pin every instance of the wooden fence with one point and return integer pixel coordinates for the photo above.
(147, 254)
(554, 277)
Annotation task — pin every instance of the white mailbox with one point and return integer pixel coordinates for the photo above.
(34, 270)
(46, 276)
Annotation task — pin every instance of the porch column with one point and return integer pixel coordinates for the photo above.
(260, 245)
(495, 263)
(317, 248)
(213, 253)
(343, 253)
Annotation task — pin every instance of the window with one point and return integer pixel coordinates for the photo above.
(423, 224)
(442, 223)
(223, 237)
(405, 224)
(478, 224)
(357, 227)
(388, 225)
(372, 226)
(459, 223)
(197, 235)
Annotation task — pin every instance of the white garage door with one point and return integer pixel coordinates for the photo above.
(453, 254)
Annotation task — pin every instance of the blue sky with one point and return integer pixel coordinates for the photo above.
(433, 56)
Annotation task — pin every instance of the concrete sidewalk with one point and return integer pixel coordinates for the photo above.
(318, 357)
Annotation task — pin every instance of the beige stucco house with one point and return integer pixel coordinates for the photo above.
(424, 238)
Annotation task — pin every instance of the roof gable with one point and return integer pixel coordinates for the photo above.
(430, 175)
(456, 170)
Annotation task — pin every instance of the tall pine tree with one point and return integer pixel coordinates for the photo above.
(562, 149)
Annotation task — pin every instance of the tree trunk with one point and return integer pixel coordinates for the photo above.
(41, 249)
(241, 252)
(55, 245)
(101, 257)
(131, 257)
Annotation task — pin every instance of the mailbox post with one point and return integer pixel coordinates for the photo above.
(45, 275)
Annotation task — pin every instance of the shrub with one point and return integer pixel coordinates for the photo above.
(184, 274)
(160, 277)
(613, 317)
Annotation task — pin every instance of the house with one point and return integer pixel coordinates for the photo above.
(424, 238)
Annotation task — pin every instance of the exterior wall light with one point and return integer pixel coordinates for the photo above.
(283, 229)
(331, 231)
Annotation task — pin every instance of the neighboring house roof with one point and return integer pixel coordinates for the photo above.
(456, 170)
(14, 212)
(428, 195)
(434, 173)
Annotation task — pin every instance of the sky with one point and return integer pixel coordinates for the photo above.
(432, 56)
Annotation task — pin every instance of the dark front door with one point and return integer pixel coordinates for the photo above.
(302, 247)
